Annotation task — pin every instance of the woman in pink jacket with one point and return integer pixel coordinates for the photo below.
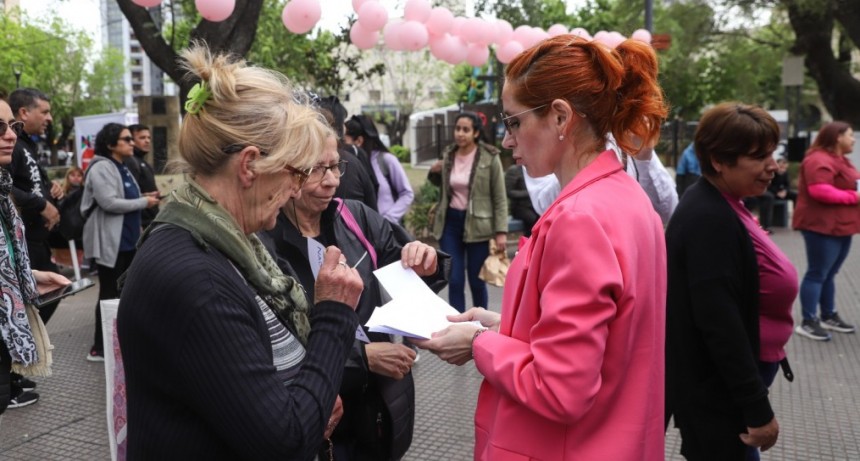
(573, 367)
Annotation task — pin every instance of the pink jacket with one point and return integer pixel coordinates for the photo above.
(576, 371)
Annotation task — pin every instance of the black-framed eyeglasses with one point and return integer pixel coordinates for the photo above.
(15, 126)
(301, 176)
(318, 172)
(511, 125)
(127, 139)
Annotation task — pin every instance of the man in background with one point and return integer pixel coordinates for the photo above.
(36, 197)
(142, 171)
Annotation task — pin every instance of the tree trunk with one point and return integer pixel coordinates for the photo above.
(235, 35)
(813, 28)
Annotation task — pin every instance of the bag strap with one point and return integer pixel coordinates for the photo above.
(352, 225)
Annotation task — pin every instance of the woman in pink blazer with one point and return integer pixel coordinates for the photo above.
(574, 365)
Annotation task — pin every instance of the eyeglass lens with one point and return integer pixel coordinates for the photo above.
(14, 126)
(318, 172)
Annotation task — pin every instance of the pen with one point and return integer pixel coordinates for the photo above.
(360, 260)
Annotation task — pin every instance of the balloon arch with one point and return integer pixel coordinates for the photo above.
(451, 39)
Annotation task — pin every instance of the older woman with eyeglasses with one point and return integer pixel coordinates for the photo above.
(111, 204)
(377, 391)
(573, 366)
(224, 355)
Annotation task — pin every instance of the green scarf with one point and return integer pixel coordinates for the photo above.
(193, 209)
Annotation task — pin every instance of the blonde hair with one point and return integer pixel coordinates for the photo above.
(67, 185)
(249, 106)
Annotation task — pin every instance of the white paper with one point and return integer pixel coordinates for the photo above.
(316, 253)
(414, 310)
(360, 335)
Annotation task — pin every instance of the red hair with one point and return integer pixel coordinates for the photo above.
(616, 90)
(827, 138)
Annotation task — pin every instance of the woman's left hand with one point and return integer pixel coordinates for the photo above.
(453, 344)
(47, 281)
(420, 257)
(501, 241)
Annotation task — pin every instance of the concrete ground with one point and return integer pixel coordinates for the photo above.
(817, 413)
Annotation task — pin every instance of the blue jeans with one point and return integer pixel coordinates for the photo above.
(768, 371)
(466, 260)
(824, 256)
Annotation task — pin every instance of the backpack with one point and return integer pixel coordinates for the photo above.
(72, 221)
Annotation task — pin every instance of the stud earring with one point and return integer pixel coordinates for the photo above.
(561, 137)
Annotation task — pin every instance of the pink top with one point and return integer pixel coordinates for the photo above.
(576, 371)
(827, 195)
(459, 180)
(777, 288)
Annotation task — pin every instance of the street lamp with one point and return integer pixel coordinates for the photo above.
(16, 68)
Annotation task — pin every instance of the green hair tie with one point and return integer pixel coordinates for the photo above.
(197, 97)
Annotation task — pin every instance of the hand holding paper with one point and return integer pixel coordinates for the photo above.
(414, 311)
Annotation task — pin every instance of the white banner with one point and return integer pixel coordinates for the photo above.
(88, 126)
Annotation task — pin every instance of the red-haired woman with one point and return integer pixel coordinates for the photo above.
(827, 216)
(573, 366)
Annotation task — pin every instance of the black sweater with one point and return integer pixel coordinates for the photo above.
(198, 361)
(712, 343)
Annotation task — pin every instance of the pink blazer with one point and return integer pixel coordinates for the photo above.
(576, 371)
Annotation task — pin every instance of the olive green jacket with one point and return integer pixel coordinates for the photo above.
(487, 211)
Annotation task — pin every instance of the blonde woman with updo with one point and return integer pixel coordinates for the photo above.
(573, 366)
(224, 356)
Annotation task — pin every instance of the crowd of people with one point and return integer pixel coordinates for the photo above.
(624, 308)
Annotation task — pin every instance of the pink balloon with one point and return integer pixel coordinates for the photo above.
(417, 10)
(457, 25)
(477, 55)
(537, 35)
(509, 51)
(356, 4)
(504, 32)
(413, 35)
(300, 16)
(614, 39)
(146, 3)
(215, 10)
(362, 37)
(486, 32)
(392, 36)
(373, 15)
(522, 34)
(472, 30)
(441, 46)
(440, 21)
(642, 35)
(580, 32)
(556, 30)
(601, 37)
(459, 51)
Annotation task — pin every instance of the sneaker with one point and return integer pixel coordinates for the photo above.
(23, 383)
(95, 356)
(23, 399)
(812, 330)
(836, 323)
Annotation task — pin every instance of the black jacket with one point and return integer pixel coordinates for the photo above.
(187, 314)
(31, 189)
(144, 174)
(712, 333)
(360, 390)
(356, 182)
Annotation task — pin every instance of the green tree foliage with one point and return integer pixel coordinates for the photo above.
(322, 61)
(59, 60)
(325, 63)
(827, 35)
